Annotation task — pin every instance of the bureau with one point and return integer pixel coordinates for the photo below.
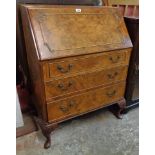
(78, 61)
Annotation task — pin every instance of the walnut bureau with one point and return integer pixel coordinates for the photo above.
(78, 61)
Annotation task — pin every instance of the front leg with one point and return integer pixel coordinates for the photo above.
(46, 130)
(118, 108)
(122, 106)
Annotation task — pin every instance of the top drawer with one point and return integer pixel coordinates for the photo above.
(79, 64)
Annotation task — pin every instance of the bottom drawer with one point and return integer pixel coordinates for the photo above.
(81, 103)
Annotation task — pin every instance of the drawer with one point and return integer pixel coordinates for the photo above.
(74, 65)
(85, 102)
(84, 81)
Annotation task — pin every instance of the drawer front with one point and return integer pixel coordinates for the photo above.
(85, 102)
(84, 81)
(69, 66)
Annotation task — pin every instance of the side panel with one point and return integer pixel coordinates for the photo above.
(35, 68)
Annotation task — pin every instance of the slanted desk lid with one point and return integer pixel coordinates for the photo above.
(69, 31)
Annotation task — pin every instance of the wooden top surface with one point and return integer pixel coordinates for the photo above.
(62, 31)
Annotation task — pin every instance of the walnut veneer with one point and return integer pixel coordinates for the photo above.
(78, 60)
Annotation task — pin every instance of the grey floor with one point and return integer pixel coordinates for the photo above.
(98, 133)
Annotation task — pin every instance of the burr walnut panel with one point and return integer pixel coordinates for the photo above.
(85, 102)
(66, 32)
(70, 66)
(80, 82)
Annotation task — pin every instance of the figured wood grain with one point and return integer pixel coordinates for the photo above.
(57, 30)
(80, 82)
(85, 63)
(84, 102)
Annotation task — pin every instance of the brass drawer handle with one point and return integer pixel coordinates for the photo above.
(110, 94)
(63, 108)
(114, 60)
(112, 76)
(63, 87)
(62, 70)
(66, 108)
(71, 104)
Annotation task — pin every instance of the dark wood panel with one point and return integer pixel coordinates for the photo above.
(81, 2)
(40, 1)
(133, 29)
(61, 2)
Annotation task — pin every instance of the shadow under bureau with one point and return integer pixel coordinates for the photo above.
(78, 61)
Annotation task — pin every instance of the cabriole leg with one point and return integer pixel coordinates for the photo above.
(46, 129)
(118, 108)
